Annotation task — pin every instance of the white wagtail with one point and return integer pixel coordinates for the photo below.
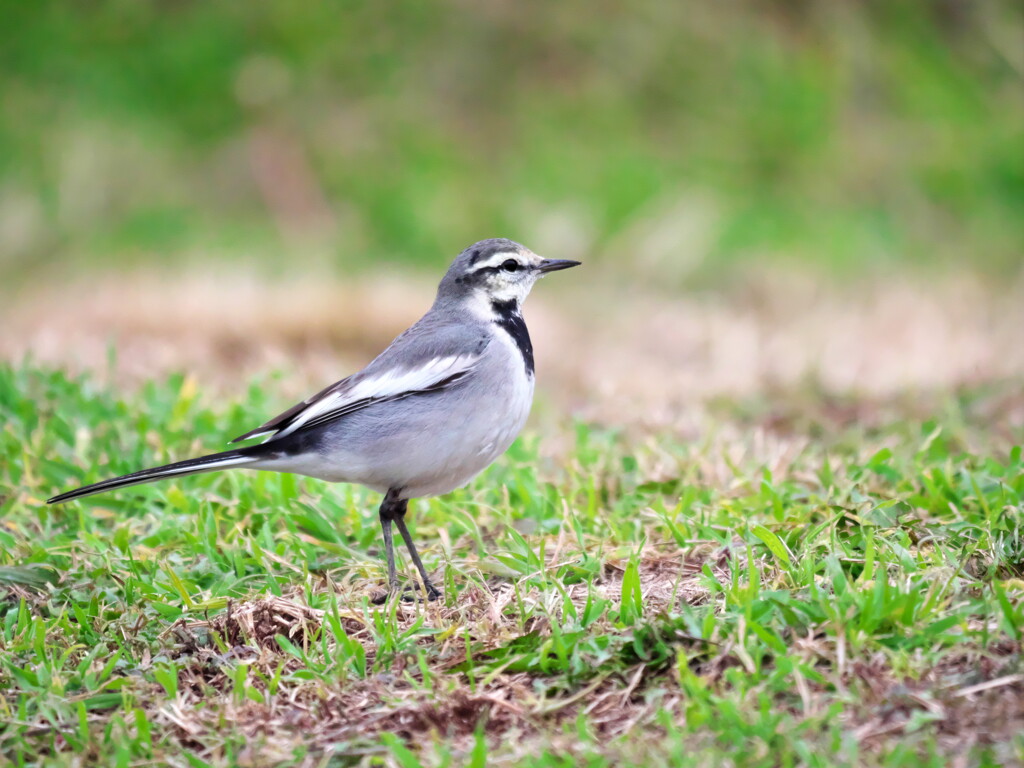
(442, 402)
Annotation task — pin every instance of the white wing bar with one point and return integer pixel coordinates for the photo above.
(392, 384)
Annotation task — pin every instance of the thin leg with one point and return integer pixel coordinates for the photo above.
(392, 510)
(432, 592)
(386, 519)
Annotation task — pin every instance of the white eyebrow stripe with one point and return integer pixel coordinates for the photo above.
(393, 383)
(495, 259)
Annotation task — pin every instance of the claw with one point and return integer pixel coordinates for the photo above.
(408, 594)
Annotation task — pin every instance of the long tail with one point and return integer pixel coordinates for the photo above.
(179, 468)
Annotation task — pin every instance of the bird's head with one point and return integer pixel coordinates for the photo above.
(496, 271)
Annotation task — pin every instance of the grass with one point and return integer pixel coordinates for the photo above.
(816, 586)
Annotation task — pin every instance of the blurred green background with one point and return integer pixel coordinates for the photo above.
(693, 139)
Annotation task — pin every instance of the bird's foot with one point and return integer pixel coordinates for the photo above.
(408, 594)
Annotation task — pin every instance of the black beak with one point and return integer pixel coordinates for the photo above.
(553, 265)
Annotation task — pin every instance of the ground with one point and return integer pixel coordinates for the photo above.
(731, 535)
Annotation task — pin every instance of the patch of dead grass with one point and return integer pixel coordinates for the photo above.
(258, 622)
(609, 354)
(985, 712)
(506, 705)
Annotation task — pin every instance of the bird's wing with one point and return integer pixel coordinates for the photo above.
(379, 382)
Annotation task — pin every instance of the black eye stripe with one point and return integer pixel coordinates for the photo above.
(503, 267)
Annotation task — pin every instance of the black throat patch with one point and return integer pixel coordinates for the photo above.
(508, 318)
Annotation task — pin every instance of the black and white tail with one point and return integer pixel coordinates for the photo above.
(209, 463)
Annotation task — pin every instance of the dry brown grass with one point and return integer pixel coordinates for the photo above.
(507, 705)
(623, 357)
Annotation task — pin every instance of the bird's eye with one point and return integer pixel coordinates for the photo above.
(510, 265)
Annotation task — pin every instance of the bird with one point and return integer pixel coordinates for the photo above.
(440, 404)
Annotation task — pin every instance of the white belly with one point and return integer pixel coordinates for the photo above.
(483, 439)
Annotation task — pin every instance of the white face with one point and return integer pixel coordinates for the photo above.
(507, 276)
